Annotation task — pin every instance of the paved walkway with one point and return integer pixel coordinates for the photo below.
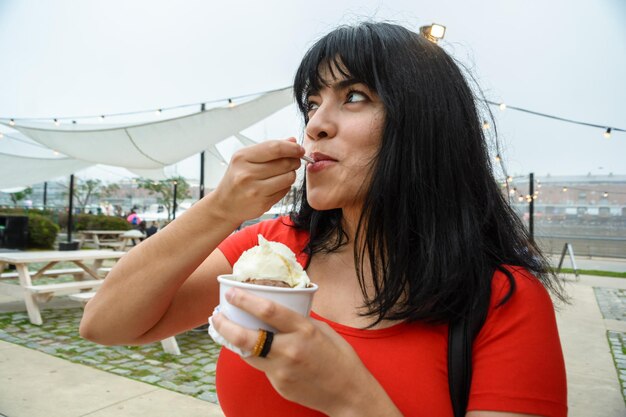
(35, 383)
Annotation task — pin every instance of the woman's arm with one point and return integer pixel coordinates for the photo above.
(167, 283)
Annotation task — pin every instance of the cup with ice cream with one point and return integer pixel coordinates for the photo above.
(269, 270)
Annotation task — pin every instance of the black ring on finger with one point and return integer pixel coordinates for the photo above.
(267, 345)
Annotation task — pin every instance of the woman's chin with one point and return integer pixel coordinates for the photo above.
(320, 204)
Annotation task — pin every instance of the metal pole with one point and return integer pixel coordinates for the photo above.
(174, 209)
(70, 214)
(201, 174)
(531, 208)
(45, 194)
(202, 108)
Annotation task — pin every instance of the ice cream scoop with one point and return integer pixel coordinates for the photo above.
(270, 263)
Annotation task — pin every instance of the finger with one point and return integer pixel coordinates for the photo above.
(273, 168)
(274, 314)
(275, 184)
(243, 338)
(276, 197)
(274, 149)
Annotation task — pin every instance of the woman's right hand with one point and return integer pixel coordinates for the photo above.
(257, 178)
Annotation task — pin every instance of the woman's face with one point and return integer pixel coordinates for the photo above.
(343, 135)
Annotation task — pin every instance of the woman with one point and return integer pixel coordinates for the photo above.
(400, 223)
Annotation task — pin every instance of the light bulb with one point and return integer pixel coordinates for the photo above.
(502, 106)
(486, 125)
(607, 134)
(102, 118)
(564, 189)
(230, 103)
(497, 158)
(605, 195)
(157, 112)
(12, 122)
(56, 122)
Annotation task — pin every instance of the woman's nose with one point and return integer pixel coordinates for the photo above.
(322, 124)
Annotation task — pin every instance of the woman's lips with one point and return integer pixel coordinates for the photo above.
(322, 161)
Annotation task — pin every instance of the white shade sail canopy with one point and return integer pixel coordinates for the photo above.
(21, 171)
(157, 144)
(214, 169)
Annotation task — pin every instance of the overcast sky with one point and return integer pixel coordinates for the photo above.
(73, 58)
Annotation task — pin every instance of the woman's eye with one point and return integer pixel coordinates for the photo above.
(312, 106)
(355, 97)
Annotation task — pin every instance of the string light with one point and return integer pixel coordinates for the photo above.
(433, 32)
(55, 152)
(102, 118)
(498, 159)
(520, 198)
(607, 130)
(157, 112)
(12, 122)
(564, 189)
(605, 195)
(230, 103)
(56, 122)
(486, 125)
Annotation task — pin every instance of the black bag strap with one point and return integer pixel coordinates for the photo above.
(459, 365)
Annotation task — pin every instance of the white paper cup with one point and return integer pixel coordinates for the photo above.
(296, 299)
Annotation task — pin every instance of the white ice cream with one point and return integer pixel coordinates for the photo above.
(273, 261)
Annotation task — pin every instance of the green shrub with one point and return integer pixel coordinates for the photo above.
(100, 222)
(42, 232)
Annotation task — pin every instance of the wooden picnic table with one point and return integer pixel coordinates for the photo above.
(102, 238)
(87, 261)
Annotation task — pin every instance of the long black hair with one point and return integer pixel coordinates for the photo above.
(434, 225)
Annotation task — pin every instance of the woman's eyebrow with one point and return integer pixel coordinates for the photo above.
(336, 86)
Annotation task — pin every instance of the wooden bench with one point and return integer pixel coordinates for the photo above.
(78, 273)
(43, 293)
(170, 345)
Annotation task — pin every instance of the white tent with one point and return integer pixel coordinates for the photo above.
(157, 144)
(21, 171)
(214, 164)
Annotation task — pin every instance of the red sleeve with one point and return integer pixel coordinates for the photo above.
(276, 230)
(518, 363)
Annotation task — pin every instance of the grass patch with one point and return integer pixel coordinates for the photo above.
(595, 272)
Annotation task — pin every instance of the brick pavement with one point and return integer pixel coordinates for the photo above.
(192, 373)
(612, 303)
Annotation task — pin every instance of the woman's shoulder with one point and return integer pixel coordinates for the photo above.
(519, 279)
(517, 296)
(280, 229)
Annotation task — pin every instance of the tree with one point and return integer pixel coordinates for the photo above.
(164, 191)
(20, 195)
(85, 190)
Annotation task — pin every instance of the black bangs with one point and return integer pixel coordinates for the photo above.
(347, 52)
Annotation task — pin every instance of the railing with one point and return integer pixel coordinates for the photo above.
(584, 246)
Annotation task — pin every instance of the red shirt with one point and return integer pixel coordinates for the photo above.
(517, 359)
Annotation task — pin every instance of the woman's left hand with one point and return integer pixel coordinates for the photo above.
(308, 363)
